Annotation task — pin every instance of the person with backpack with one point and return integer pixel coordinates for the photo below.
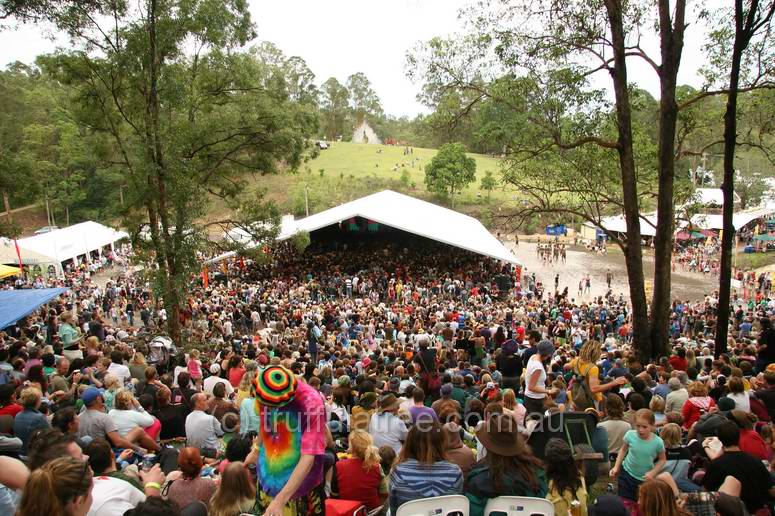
(585, 389)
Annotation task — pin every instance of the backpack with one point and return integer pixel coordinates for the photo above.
(582, 395)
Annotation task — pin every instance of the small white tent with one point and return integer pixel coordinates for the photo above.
(71, 242)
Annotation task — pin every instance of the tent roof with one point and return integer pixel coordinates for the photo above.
(15, 304)
(711, 196)
(408, 214)
(8, 254)
(70, 242)
(617, 224)
(739, 219)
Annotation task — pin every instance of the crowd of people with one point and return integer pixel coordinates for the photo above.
(377, 371)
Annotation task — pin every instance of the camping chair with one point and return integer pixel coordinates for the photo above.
(519, 506)
(576, 429)
(437, 506)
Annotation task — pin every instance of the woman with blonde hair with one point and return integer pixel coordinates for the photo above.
(137, 366)
(585, 368)
(360, 477)
(112, 386)
(235, 494)
(61, 487)
(128, 414)
(512, 407)
(245, 384)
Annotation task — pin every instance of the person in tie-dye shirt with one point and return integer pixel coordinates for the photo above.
(291, 445)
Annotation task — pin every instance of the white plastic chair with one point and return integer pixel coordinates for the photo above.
(437, 506)
(519, 506)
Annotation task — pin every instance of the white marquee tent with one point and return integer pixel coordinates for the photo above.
(70, 242)
(405, 213)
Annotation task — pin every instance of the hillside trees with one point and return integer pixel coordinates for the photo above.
(185, 128)
(450, 171)
(334, 106)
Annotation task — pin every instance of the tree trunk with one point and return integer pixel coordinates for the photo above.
(7, 205)
(633, 254)
(671, 43)
(728, 185)
(67, 215)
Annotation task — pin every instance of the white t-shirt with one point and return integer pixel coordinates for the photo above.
(121, 372)
(113, 497)
(210, 381)
(533, 365)
(127, 420)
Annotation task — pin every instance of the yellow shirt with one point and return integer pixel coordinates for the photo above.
(586, 370)
(562, 502)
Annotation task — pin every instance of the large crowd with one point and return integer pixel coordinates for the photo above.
(376, 372)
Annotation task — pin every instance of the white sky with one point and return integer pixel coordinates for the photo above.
(342, 37)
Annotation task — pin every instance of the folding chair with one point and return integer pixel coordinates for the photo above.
(519, 506)
(437, 506)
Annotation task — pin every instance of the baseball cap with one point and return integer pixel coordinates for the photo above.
(90, 395)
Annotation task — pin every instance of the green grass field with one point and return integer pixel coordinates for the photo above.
(347, 171)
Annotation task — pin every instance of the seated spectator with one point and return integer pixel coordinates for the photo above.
(61, 487)
(679, 458)
(738, 394)
(708, 424)
(422, 471)
(635, 402)
(678, 395)
(213, 379)
(129, 415)
(218, 405)
(767, 394)
(657, 498)
(657, 406)
(235, 493)
(750, 441)
(8, 404)
(30, 418)
(65, 420)
(114, 492)
(202, 429)
(512, 407)
(445, 404)
(730, 460)
(94, 423)
(455, 450)
(187, 486)
(171, 417)
(699, 403)
(614, 425)
(419, 411)
(567, 489)
(48, 444)
(364, 410)
(360, 477)
(386, 428)
(508, 469)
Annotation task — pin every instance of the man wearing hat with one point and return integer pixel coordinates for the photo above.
(291, 445)
(385, 427)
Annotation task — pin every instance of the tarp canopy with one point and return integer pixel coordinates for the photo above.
(739, 219)
(405, 213)
(711, 197)
(15, 304)
(70, 242)
(6, 271)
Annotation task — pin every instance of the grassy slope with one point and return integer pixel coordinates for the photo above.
(351, 170)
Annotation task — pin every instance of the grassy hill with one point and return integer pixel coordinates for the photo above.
(347, 171)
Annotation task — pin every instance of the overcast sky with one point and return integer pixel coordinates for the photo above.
(342, 37)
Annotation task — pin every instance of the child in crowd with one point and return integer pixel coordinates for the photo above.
(657, 406)
(636, 461)
(387, 457)
(567, 490)
(195, 368)
(679, 457)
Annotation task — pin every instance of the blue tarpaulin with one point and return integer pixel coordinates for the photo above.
(15, 304)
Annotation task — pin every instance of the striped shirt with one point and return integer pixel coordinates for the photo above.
(412, 480)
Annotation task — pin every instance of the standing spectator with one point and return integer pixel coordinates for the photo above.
(642, 457)
(422, 471)
(536, 390)
(765, 353)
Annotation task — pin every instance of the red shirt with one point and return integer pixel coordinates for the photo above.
(235, 376)
(10, 410)
(752, 443)
(676, 362)
(357, 484)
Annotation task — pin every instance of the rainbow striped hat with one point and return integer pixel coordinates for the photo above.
(275, 386)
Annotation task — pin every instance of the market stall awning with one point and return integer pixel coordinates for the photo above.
(15, 304)
(7, 271)
(70, 242)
